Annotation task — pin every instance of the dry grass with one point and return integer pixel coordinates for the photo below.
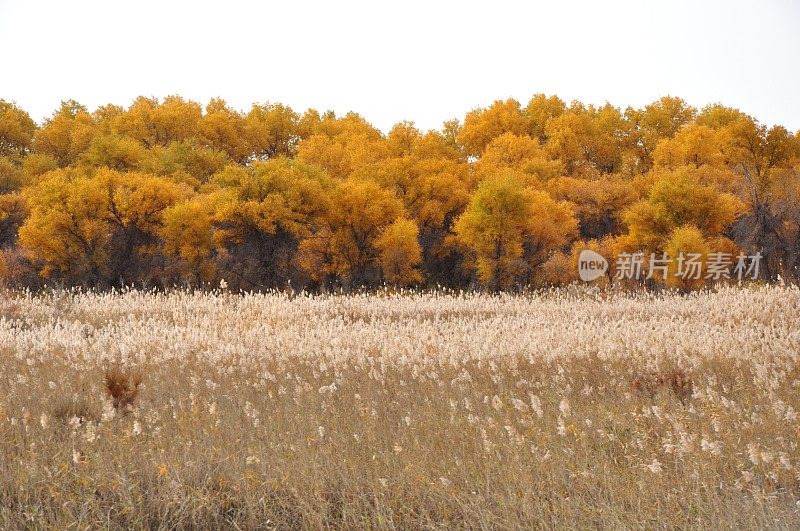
(122, 387)
(567, 409)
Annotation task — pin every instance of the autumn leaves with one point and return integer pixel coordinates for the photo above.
(168, 192)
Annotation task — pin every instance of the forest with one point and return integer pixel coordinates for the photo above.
(168, 192)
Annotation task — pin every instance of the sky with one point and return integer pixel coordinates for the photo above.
(422, 61)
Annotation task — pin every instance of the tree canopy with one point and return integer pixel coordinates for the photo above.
(170, 192)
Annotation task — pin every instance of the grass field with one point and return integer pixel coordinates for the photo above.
(563, 409)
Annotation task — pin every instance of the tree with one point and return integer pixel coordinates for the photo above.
(344, 247)
(16, 130)
(434, 191)
(343, 154)
(166, 191)
(12, 176)
(13, 211)
(66, 231)
(586, 138)
(224, 130)
(695, 145)
(66, 134)
(509, 229)
(272, 130)
(763, 159)
(187, 161)
(683, 243)
(274, 205)
(561, 268)
(157, 124)
(400, 252)
(647, 127)
(188, 234)
(100, 229)
(678, 199)
(540, 110)
(481, 126)
(403, 139)
(517, 152)
(598, 203)
(114, 151)
(718, 116)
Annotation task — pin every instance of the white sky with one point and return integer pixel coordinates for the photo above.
(423, 61)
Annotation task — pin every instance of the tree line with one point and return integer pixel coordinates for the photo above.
(168, 192)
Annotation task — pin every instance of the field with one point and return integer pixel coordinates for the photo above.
(400, 410)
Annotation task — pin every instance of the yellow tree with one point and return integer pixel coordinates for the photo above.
(509, 230)
(105, 118)
(16, 130)
(343, 154)
(13, 267)
(400, 253)
(137, 121)
(403, 139)
(98, 229)
(272, 130)
(66, 134)
(481, 126)
(540, 110)
(12, 175)
(344, 247)
(188, 234)
(678, 199)
(647, 127)
(561, 268)
(764, 158)
(13, 211)
(67, 231)
(153, 123)
(718, 116)
(586, 138)
(114, 151)
(686, 245)
(434, 190)
(187, 161)
(274, 205)
(224, 130)
(599, 203)
(343, 145)
(695, 145)
(517, 152)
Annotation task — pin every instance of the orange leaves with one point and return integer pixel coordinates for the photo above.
(73, 220)
(483, 125)
(16, 129)
(166, 190)
(272, 130)
(67, 229)
(400, 252)
(66, 134)
(678, 199)
(508, 229)
(188, 233)
(344, 245)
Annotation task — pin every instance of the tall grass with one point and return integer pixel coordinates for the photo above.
(563, 409)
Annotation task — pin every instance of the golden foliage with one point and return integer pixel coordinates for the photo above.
(168, 190)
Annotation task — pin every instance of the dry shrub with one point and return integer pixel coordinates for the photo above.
(11, 311)
(122, 386)
(679, 383)
(646, 385)
(675, 379)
